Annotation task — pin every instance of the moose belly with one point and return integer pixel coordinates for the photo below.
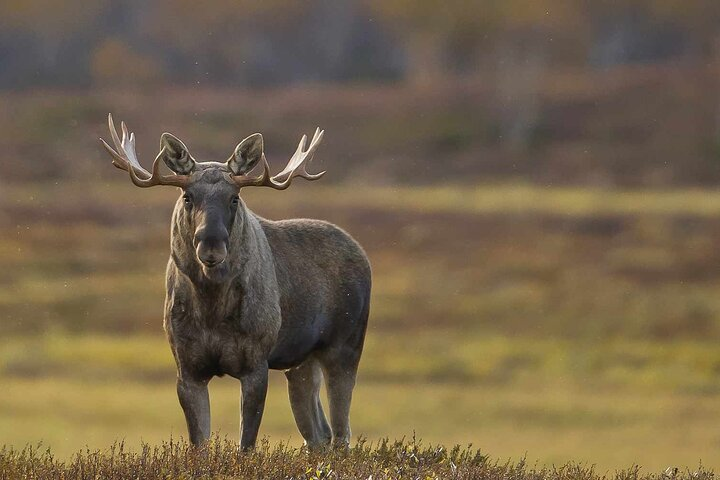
(294, 345)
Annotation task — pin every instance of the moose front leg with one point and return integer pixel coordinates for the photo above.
(195, 402)
(252, 403)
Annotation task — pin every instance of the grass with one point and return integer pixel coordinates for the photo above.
(549, 401)
(681, 367)
(380, 460)
(553, 324)
(505, 199)
(557, 324)
(513, 259)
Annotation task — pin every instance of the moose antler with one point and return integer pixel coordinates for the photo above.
(296, 167)
(125, 158)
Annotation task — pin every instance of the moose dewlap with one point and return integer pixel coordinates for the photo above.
(246, 294)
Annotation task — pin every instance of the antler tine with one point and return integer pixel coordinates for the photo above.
(297, 166)
(307, 157)
(295, 159)
(125, 158)
(118, 161)
(113, 133)
(124, 130)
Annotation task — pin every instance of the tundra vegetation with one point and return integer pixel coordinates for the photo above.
(583, 319)
(399, 460)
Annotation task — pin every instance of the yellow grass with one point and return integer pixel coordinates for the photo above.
(485, 198)
(70, 392)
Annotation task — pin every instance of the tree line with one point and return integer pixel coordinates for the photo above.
(243, 42)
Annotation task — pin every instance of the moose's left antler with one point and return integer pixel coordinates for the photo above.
(296, 167)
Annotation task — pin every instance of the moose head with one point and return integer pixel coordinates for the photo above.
(210, 198)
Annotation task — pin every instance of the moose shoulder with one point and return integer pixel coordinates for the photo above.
(245, 294)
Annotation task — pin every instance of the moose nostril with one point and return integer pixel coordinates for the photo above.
(199, 237)
(208, 236)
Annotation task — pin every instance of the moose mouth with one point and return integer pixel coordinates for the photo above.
(212, 261)
(211, 257)
(212, 265)
(215, 272)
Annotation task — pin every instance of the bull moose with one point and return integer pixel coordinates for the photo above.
(246, 294)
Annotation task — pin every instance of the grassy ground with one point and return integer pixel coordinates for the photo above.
(380, 460)
(512, 260)
(551, 401)
(557, 324)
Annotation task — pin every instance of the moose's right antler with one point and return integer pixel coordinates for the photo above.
(125, 158)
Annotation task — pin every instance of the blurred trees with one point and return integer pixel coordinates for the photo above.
(115, 63)
(427, 31)
(278, 41)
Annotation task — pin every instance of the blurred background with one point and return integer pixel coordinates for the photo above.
(534, 182)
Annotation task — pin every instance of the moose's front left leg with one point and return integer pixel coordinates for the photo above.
(252, 403)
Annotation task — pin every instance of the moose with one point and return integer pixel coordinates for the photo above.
(246, 294)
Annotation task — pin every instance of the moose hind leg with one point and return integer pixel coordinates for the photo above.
(340, 381)
(304, 384)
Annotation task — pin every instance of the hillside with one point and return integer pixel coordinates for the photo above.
(632, 126)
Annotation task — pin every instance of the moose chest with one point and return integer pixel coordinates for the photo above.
(211, 341)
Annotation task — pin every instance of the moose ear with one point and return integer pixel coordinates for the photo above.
(175, 154)
(246, 155)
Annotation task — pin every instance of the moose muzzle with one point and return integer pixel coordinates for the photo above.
(211, 244)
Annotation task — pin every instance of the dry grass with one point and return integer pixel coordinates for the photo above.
(505, 259)
(221, 459)
(563, 323)
(551, 401)
(557, 323)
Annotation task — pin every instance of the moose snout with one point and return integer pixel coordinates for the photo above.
(211, 247)
(211, 257)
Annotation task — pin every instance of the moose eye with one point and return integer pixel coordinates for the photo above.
(187, 200)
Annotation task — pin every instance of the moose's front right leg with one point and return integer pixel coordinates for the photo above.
(195, 402)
